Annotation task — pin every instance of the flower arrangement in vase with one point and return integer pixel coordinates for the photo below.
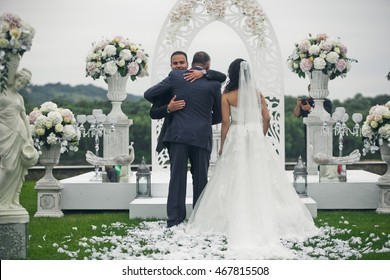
(376, 128)
(118, 55)
(15, 39)
(321, 53)
(51, 125)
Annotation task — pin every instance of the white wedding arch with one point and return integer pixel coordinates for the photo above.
(248, 20)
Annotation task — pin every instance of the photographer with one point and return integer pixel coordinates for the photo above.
(305, 105)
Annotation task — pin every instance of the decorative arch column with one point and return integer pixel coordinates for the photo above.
(248, 20)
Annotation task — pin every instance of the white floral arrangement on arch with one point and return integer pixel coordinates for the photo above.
(51, 125)
(15, 38)
(322, 53)
(376, 128)
(118, 55)
(255, 17)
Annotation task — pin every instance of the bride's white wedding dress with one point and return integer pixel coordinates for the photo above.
(250, 199)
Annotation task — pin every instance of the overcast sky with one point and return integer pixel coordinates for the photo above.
(65, 31)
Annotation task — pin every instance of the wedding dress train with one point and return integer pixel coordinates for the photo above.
(250, 200)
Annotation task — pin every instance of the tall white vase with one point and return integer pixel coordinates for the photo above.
(117, 94)
(318, 91)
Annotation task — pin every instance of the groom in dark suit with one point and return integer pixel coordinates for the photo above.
(189, 134)
(163, 106)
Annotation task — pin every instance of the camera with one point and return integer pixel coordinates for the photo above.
(304, 101)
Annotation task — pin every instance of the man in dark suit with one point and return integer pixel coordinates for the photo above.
(163, 106)
(189, 134)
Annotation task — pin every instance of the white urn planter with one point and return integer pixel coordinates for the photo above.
(318, 91)
(49, 158)
(117, 94)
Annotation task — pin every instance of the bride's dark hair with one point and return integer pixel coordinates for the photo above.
(234, 75)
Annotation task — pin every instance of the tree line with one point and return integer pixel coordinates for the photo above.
(82, 99)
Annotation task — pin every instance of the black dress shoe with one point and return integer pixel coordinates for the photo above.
(172, 224)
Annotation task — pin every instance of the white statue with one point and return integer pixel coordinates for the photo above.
(125, 159)
(17, 152)
(324, 159)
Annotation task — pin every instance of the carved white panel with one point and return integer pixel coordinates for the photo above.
(251, 24)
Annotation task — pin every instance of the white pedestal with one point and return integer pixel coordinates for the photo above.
(384, 199)
(115, 144)
(49, 199)
(316, 142)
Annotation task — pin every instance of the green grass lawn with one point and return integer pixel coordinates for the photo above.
(365, 233)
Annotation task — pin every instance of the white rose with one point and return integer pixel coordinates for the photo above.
(366, 130)
(110, 50)
(110, 68)
(125, 54)
(381, 110)
(319, 63)
(69, 132)
(48, 107)
(384, 131)
(314, 50)
(55, 117)
(332, 57)
(51, 139)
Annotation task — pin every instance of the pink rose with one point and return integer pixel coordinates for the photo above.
(306, 64)
(34, 115)
(133, 68)
(341, 64)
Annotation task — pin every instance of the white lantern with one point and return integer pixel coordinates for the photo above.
(143, 185)
(300, 178)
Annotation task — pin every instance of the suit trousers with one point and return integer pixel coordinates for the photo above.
(199, 158)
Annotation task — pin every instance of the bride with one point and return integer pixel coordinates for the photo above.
(249, 198)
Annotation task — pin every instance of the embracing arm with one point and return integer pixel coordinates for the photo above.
(215, 75)
(159, 90)
(212, 75)
(163, 107)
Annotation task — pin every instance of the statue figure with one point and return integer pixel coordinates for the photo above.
(17, 152)
(323, 159)
(121, 160)
(124, 159)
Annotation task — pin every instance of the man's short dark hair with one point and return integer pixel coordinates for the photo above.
(179, 53)
(201, 58)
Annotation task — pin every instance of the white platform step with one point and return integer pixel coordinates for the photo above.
(155, 207)
(359, 192)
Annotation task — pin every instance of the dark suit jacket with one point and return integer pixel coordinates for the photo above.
(160, 106)
(191, 125)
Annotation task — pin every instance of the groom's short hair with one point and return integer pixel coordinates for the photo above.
(201, 59)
